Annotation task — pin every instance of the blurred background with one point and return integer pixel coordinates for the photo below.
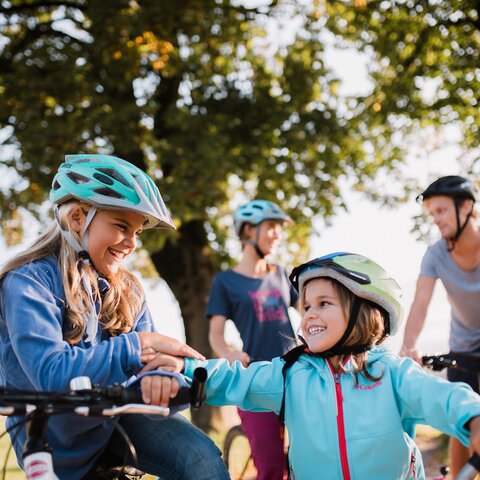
(339, 111)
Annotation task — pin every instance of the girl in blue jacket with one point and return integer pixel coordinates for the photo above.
(68, 308)
(350, 406)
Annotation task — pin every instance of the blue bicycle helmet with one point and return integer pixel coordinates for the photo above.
(257, 211)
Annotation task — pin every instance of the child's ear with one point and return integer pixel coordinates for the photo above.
(76, 218)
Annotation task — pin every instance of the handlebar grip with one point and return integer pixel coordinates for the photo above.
(474, 461)
(197, 390)
(471, 469)
(194, 395)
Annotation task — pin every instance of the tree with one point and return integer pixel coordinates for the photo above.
(424, 67)
(196, 94)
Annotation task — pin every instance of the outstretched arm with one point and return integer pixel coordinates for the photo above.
(257, 388)
(416, 317)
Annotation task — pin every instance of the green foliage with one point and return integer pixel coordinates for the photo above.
(424, 68)
(193, 92)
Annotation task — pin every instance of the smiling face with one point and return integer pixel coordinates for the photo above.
(112, 236)
(323, 318)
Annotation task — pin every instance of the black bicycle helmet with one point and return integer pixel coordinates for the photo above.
(450, 186)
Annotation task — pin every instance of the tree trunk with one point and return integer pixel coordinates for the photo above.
(185, 264)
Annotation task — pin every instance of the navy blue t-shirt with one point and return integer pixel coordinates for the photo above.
(259, 309)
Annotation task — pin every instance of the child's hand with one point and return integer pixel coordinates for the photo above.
(236, 355)
(474, 426)
(161, 361)
(159, 343)
(158, 389)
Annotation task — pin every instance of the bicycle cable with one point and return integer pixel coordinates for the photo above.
(9, 450)
(128, 443)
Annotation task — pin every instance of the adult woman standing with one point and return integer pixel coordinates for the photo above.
(256, 295)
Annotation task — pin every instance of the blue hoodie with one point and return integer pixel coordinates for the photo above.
(34, 356)
(343, 430)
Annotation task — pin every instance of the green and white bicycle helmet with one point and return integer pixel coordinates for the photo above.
(362, 276)
(105, 181)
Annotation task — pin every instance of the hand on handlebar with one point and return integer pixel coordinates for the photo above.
(412, 353)
(157, 343)
(157, 389)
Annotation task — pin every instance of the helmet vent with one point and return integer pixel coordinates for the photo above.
(56, 185)
(103, 178)
(77, 178)
(82, 160)
(109, 192)
(114, 174)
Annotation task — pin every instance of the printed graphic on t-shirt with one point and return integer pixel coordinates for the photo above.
(268, 305)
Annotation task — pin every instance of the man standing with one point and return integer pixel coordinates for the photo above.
(455, 260)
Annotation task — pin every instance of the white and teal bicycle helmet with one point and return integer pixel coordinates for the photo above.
(105, 181)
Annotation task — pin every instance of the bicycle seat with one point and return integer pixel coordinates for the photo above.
(119, 471)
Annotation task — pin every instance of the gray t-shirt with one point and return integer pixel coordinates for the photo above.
(463, 290)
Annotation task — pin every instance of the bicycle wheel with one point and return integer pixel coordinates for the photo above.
(237, 455)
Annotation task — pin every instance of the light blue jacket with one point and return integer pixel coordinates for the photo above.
(341, 429)
(34, 356)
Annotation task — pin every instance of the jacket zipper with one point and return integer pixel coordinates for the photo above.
(341, 426)
(412, 467)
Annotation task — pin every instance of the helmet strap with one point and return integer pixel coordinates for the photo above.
(254, 243)
(460, 228)
(80, 248)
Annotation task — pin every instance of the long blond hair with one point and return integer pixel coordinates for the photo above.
(120, 304)
(369, 326)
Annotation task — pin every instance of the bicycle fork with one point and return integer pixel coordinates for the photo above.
(37, 455)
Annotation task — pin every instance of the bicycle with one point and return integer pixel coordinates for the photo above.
(83, 399)
(469, 362)
(237, 455)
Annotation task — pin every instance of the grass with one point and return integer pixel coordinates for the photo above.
(12, 469)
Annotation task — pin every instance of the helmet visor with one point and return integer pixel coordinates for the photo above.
(328, 262)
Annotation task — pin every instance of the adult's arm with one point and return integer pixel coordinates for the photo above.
(216, 337)
(416, 317)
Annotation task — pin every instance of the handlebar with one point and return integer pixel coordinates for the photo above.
(471, 469)
(469, 362)
(109, 401)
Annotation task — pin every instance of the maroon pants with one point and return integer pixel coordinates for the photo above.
(265, 434)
